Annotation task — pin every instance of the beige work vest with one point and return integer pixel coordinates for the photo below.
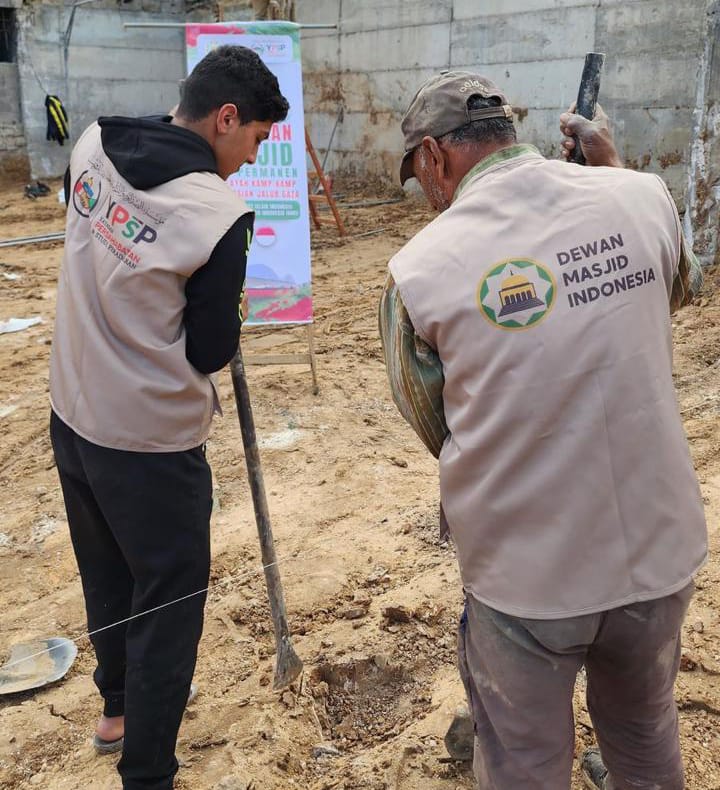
(566, 478)
(118, 371)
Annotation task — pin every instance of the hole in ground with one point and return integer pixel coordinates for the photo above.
(367, 700)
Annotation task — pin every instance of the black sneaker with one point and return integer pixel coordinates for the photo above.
(594, 772)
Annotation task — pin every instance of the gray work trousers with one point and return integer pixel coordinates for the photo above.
(519, 676)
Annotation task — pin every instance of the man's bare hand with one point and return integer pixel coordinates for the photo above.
(595, 137)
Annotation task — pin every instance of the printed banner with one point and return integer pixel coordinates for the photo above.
(275, 187)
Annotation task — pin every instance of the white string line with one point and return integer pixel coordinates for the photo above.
(88, 634)
(210, 587)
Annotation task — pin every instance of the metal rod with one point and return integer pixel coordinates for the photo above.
(183, 25)
(32, 239)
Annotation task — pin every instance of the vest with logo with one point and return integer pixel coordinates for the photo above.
(566, 478)
(118, 371)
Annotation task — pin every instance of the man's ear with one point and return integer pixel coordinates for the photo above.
(436, 157)
(227, 117)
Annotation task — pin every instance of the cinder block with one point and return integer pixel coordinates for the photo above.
(320, 52)
(651, 27)
(394, 90)
(135, 66)
(380, 132)
(424, 46)
(663, 81)
(102, 28)
(472, 9)
(538, 84)
(376, 14)
(511, 38)
(318, 12)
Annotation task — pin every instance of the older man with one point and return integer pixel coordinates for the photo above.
(527, 337)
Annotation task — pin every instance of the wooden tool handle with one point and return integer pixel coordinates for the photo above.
(587, 96)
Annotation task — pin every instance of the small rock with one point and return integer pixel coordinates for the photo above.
(361, 598)
(288, 699)
(378, 575)
(401, 462)
(325, 750)
(326, 643)
(687, 662)
(397, 614)
(353, 612)
(698, 626)
(264, 680)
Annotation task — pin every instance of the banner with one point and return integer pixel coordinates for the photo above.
(275, 187)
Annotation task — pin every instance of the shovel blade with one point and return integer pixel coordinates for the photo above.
(288, 666)
(35, 664)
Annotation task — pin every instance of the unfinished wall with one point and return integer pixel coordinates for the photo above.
(383, 49)
(13, 153)
(110, 71)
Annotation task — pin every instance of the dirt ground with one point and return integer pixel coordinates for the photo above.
(354, 504)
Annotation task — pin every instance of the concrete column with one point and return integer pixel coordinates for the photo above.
(703, 191)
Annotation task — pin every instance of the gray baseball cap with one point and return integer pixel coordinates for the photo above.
(440, 106)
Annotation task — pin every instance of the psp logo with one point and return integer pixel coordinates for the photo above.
(132, 227)
(86, 193)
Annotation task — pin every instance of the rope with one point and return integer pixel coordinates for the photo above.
(88, 634)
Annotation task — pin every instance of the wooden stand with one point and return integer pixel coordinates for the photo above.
(290, 359)
(325, 196)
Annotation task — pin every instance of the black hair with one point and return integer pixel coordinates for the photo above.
(486, 130)
(233, 75)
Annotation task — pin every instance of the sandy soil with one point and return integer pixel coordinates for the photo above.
(353, 498)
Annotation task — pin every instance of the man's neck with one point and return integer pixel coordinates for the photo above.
(203, 127)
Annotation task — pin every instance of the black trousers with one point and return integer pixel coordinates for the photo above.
(140, 528)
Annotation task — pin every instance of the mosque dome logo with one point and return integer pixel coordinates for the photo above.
(516, 294)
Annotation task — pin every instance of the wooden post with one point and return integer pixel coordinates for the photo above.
(326, 190)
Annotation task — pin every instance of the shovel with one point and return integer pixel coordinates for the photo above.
(288, 665)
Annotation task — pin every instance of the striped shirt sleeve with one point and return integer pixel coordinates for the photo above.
(689, 278)
(414, 371)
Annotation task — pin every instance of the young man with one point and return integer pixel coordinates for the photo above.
(147, 311)
(527, 337)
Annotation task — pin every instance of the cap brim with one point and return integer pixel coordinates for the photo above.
(406, 168)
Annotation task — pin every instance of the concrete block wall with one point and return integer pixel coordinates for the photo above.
(111, 71)
(382, 50)
(13, 152)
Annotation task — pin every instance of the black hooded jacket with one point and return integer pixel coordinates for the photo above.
(151, 151)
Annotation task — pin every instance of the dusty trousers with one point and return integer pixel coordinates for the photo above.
(140, 528)
(519, 675)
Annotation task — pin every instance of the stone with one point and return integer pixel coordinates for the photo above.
(325, 750)
(353, 612)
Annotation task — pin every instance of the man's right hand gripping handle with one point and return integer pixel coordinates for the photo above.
(595, 137)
